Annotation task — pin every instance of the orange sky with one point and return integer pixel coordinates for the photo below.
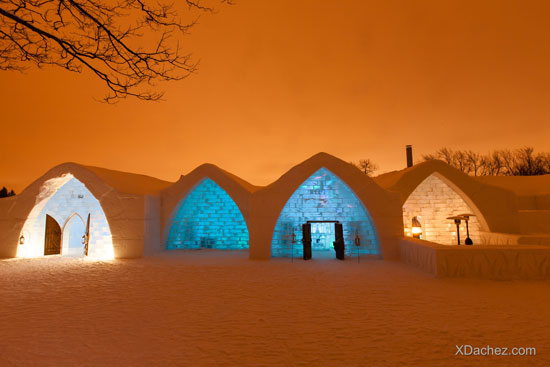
(282, 80)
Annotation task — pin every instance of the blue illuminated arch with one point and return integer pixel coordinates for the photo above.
(208, 218)
(324, 196)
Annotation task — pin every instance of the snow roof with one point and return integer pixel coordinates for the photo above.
(124, 182)
(396, 179)
(211, 169)
(492, 202)
(520, 185)
(131, 183)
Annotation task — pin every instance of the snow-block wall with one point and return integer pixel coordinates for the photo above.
(433, 201)
(208, 218)
(65, 204)
(323, 196)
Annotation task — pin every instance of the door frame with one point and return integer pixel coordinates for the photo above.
(63, 230)
(305, 243)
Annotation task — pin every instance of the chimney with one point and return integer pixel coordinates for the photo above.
(409, 156)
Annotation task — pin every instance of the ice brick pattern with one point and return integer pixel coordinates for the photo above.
(208, 218)
(69, 200)
(323, 196)
(433, 200)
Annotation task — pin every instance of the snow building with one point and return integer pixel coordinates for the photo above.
(76, 210)
(433, 193)
(319, 206)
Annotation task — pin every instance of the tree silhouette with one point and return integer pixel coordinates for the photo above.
(129, 44)
(519, 162)
(4, 193)
(367, 166)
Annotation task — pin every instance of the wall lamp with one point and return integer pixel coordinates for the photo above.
(416, 228)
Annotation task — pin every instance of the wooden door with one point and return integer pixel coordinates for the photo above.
(87, 236)
(52, 241)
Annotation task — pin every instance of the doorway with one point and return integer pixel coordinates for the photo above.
(75, 236)
(323, 236)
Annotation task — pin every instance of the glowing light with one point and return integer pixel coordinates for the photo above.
(416, 227)
(323, 196)
(68, 201)
(416, 230)
(208, 218)
(432, 201)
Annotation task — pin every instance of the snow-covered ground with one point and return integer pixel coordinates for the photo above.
(219, 309)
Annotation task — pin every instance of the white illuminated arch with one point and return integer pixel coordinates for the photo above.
(435, 199)
(65, 198)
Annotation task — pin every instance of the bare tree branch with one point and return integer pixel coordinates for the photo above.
(130, 45)
(520, 162)
(367, 166)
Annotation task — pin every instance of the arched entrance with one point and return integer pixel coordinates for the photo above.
(321, 201)
(75, 236)
(431, 203)
(66, 200)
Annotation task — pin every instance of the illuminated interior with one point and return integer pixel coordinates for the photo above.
(74, 230)
(323, 196)
(322, 236)
(433, 201)
(68, 202)
(208, 218)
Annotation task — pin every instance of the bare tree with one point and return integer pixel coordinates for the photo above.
(461, 161)
(509, 162)
(491, 164)
(545, 161)
(457, 159)
(444, 154)
(367, 166)
(129, 44)
(520, 162)
(474, 161)
(530, 164)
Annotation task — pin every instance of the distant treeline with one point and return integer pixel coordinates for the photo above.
(4, 193)
(505, 162)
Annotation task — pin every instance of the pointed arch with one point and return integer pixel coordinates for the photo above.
(384, 207)
(324, 197)
(435, 199)
(63, 198)
(72, 233)
(497, 207)
(207, 217)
